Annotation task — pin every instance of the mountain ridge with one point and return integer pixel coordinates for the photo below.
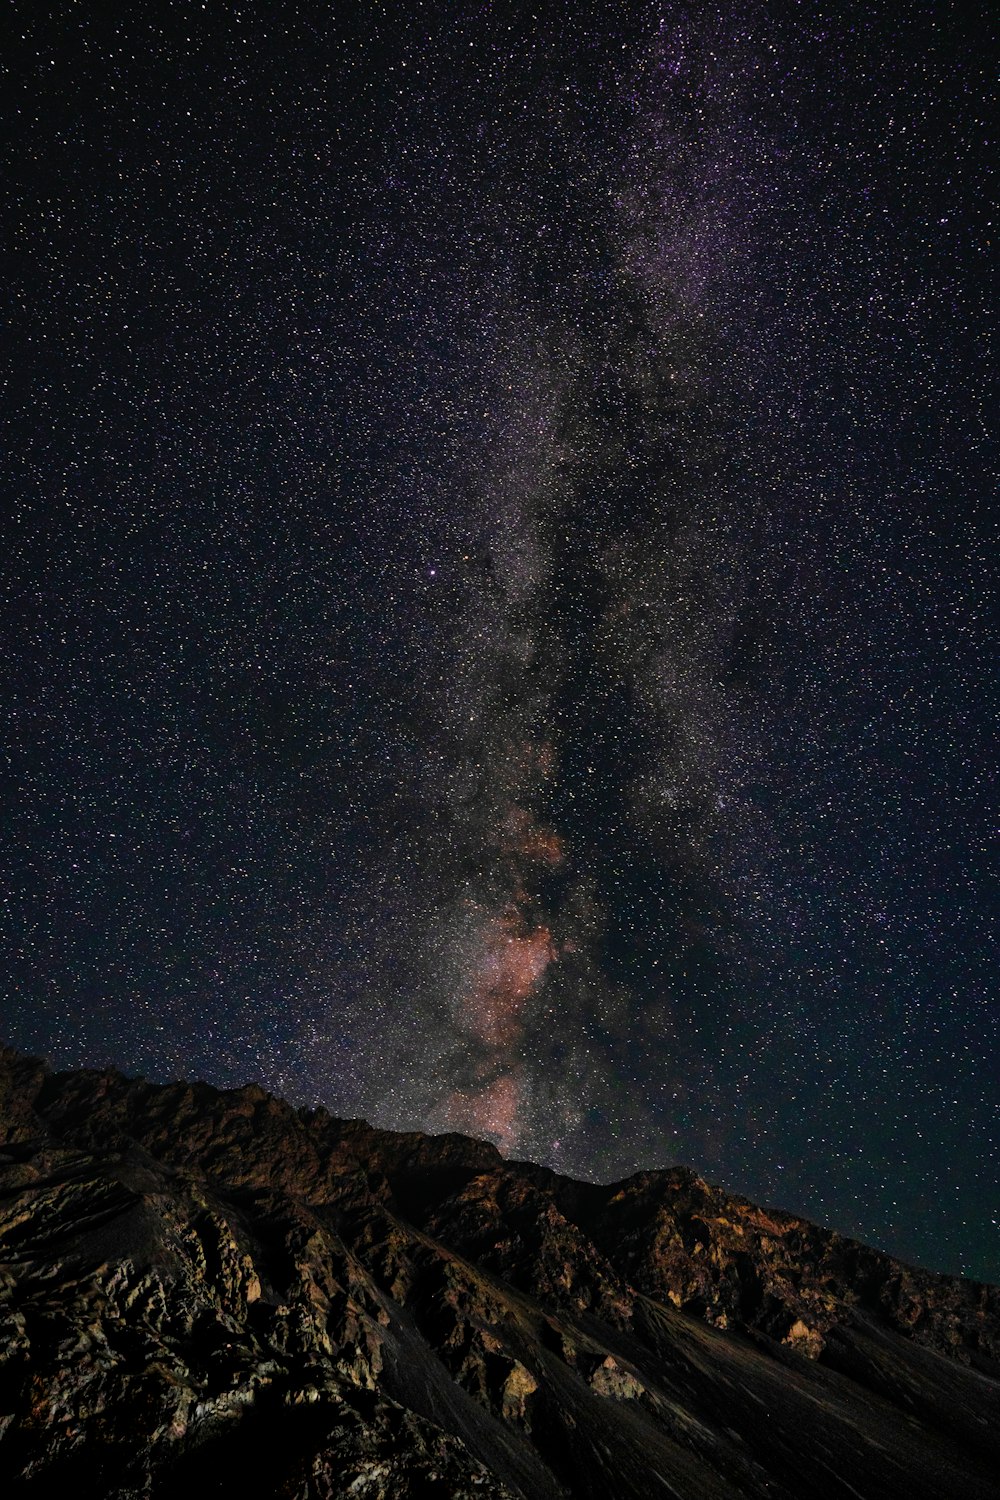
(414, 1314)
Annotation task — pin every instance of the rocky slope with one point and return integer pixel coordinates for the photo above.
(206, 1293)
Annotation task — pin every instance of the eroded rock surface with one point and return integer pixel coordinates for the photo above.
(205, 1293)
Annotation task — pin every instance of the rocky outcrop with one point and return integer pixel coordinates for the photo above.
(207, 1292)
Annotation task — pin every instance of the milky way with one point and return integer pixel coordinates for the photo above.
(497, 590)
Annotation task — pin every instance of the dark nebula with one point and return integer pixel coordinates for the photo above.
(496, 589)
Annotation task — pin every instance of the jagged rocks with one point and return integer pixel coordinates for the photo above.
(611, 1379)
(207, 1293)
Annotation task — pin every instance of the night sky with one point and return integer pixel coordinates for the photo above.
(495, 587)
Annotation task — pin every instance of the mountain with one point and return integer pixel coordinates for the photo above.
(208, 1292)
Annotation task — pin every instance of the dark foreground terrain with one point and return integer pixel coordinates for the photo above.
(207, 1293)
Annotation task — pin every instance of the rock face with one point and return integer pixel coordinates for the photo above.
(207, 1293)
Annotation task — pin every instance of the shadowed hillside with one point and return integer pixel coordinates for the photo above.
(207, 1293)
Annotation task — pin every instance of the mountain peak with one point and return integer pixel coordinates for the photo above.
(205, 1288)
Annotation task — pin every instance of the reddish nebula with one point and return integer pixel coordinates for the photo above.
(535, 758)
(490, 1111)
(513, 961)
(531, 840)
(513, 955)
(512, 951)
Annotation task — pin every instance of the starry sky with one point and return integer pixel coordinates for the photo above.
(496, 576)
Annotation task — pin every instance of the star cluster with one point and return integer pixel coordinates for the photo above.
(497, 579)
